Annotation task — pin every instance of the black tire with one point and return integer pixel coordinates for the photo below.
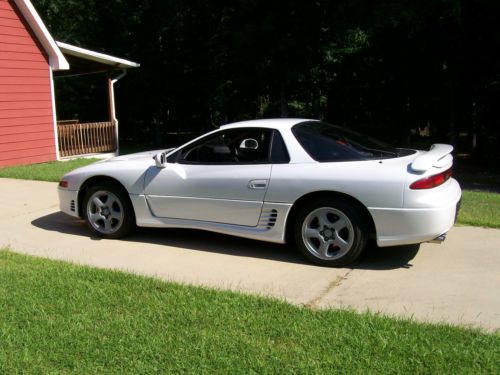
(322, 237)
(117, 218)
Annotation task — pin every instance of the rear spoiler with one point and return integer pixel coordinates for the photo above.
(439, 155)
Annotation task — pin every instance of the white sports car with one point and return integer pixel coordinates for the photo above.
(322, 187)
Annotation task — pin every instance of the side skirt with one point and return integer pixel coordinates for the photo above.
(271, 226)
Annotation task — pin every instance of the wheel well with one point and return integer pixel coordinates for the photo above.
(306, 199)
(92, 181)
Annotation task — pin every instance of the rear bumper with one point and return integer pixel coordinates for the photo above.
(414, 225)
(457, 210)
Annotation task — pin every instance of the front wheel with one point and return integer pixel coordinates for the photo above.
(108, 211)
(331, 233)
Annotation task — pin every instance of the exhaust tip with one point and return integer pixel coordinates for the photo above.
(438, 239)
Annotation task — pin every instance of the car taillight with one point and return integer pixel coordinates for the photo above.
(431, 181)
(63, 184)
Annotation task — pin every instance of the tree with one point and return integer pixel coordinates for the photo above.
(390, 68)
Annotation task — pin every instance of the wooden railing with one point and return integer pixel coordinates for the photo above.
(86, 138)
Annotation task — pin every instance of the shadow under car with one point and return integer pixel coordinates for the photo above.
(374, 258)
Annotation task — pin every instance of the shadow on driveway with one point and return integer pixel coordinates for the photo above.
(196, 240)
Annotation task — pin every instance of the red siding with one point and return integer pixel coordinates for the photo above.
(22, 122)
(40, 126)
(14, 97)
(26, 121)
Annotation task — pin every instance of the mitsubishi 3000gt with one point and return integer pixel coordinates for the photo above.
(323, 188)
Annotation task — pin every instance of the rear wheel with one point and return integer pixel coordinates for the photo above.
(330, 232)
(108, 212)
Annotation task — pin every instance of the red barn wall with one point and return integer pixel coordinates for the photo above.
(26, 118)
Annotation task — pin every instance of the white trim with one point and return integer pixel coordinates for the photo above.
(56, 58)
(54, 115)
(102, 58)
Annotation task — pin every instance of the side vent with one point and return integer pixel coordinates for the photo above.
(268, 219)
(72, 206)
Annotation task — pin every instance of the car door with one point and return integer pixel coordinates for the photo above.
(221, 178)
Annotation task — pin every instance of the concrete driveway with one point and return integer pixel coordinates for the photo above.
(456, 282)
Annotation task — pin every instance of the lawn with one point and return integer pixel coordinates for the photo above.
(62, 318)
(51, 171)
(478, 208)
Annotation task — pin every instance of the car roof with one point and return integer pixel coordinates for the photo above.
(267, 123)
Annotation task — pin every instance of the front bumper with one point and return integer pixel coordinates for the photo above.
(68, 201)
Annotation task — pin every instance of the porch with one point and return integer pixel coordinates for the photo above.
(75, 138)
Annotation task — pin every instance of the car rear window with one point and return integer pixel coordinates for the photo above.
(325, 143)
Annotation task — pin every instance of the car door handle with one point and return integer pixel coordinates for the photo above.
(257, 184)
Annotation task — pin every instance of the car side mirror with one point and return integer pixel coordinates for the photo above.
(249, 144)
(160, 159)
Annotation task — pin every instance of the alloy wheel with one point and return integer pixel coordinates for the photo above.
(105, 212)
(327, 233)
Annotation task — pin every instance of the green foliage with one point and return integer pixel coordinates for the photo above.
(374, 66)
(51, 171)
(480, 209)
(61, 318)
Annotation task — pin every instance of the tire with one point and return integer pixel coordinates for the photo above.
(330, 232)
(108, 212)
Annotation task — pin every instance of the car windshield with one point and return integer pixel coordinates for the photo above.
(325, 142)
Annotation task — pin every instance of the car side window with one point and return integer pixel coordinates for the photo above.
(232, 146)
(279, 153)
(323, 148)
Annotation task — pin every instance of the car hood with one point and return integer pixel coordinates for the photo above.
(134, 157)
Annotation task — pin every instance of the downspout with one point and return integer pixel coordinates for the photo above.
(112, 106)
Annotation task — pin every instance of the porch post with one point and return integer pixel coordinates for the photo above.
(111, 103)
(111, 108)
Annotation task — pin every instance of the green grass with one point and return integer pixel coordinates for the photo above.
(62, 318)
(51, 171)
(480, 209)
